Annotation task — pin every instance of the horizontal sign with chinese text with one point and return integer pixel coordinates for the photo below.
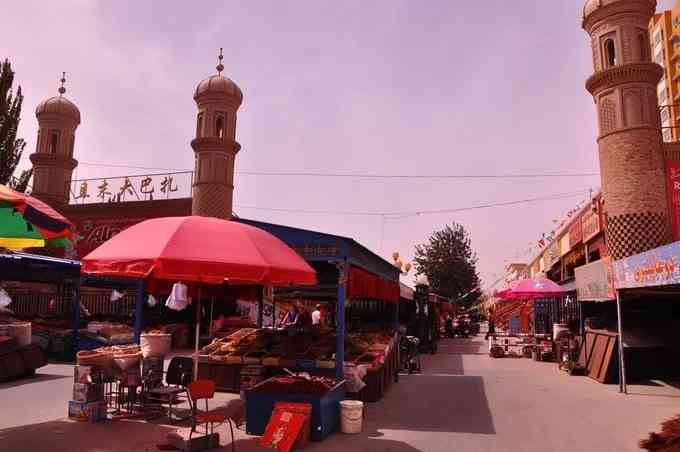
(145, 187)
(657, 267)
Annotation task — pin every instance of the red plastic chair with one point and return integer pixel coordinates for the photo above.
(205, 389)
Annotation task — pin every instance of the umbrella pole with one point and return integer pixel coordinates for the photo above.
(198, 331)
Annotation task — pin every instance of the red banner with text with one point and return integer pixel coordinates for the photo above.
(673, 190)
(92, 233)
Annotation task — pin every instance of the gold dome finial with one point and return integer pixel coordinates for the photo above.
(61, 89)
(220, 66)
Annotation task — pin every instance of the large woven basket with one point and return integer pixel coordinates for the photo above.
(154, 345)
(97, 358)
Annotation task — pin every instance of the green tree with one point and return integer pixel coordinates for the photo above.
(11, 147)
(450, 264)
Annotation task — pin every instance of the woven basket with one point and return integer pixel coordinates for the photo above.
(155, 344)
(126, 361)
(102, 359)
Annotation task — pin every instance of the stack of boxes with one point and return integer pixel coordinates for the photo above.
(88, 402)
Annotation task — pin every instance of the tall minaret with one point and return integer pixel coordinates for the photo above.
(53, 161)
(629, 139)
(218, 99)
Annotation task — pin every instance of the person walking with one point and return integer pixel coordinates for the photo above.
(492, 325)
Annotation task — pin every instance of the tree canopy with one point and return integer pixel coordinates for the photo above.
(450, 264)
(11, 147)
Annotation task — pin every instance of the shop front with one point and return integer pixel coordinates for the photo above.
(648, 286)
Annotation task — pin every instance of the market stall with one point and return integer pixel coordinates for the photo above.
(647, 286)
(361, 291)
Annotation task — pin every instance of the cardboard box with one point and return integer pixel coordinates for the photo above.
(88, 392)
(87, 411)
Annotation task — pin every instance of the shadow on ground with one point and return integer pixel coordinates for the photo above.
(443, 403)
(66, 435)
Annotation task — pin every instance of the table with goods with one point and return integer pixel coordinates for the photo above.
(249, 356)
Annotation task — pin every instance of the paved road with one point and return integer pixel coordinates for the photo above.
(463, 401)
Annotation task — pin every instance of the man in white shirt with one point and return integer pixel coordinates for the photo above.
(316, 315)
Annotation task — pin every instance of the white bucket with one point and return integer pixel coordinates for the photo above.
(21, 331)
(351, 416)
(558, 328)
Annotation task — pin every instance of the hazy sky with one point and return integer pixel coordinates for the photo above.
(389, 87)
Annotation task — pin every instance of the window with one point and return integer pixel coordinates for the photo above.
(54, 142)
(658, 36)
(199, 125)
(610, 52)
(663, 97)
(642, 44)
(665, 116)
(219, 127)
(667, 135)
(658, 58)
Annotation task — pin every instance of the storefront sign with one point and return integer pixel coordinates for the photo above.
(591, 225)
(576, 232)
(90, 234)
(552, 254)
(146, 187)
(657, 267)
(673, 190)
(316, 250)
(564, 244)
(595, 282)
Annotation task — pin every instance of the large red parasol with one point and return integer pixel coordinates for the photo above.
(530, 289)
(199, 249)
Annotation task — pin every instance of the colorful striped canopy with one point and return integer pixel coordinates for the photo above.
(27, 222)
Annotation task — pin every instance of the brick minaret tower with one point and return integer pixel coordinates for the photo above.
(218, 99)
(631, 159)
(53, 161)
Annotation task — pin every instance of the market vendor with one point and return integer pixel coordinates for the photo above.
(291, 317)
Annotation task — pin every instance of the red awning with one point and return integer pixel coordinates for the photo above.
(362, 284)
(199, 249)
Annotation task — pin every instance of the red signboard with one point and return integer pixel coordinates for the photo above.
(673, 190)
(575, 232)
(92, 233)
(590, 224)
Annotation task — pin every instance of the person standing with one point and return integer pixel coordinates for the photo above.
(316, 316)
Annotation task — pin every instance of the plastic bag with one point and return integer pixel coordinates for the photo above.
(5, 300)
(178, 299)
(115, 295)
(152, 301)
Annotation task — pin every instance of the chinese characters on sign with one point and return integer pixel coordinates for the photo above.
(316, 250)
(132, 188)
(657, 267)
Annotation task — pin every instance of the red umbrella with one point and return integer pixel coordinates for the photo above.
(523, 289)
(199, 249)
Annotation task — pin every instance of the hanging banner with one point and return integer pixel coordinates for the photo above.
(657, 267)
(673, 190)
(595, 282)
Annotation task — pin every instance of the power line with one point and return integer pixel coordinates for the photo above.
(420, 212)
(357, 175)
